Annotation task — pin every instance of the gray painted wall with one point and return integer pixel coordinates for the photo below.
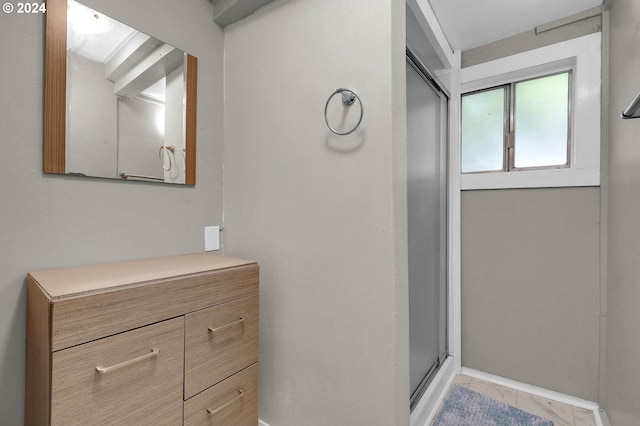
(92, 135)
(56, 221)
(530, 286)
(324, 215)
(623, 343)
(139, 138)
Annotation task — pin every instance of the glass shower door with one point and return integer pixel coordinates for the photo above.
(427, 119)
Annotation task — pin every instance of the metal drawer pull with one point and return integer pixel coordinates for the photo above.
(102, 370)
(224, 327)
(226, 404)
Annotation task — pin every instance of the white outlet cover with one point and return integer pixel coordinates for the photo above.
(211, 238)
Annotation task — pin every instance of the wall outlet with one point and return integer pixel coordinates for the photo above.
(211, 238)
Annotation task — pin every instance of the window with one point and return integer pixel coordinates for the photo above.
(582, 58)
(522, 125)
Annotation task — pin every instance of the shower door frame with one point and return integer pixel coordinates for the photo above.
(449, 77)
(444, 164)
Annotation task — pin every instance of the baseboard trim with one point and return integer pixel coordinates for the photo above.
(604, 419)
(538, 391)
(426, 410)
(427, 407)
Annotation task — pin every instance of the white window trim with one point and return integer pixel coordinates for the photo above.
(583, 56)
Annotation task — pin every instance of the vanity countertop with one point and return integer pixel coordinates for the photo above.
(67, 282)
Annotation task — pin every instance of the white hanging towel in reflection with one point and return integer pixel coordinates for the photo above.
(176, 174)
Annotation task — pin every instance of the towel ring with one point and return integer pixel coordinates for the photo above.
(170, 151)
(348, 98)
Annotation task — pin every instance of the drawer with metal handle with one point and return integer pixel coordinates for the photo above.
(219, 341)
(233, 401)
(129, 378)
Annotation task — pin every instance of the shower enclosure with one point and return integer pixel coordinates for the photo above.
(427, 116)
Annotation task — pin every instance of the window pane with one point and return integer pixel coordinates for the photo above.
(483, 131)
(541, 121)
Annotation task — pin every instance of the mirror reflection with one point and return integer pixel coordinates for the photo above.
(125, 101)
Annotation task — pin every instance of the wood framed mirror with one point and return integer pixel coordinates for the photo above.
(118, 103)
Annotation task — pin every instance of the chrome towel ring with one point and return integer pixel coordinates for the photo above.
(348, 98)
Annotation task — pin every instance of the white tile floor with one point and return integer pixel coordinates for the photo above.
(561, 414)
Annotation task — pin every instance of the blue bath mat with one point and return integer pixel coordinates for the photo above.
(464, 407)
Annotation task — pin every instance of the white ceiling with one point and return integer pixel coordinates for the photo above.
(94, 35)
(472, 23)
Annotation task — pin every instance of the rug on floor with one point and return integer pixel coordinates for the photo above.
(464, 407)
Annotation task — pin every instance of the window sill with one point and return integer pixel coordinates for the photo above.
(531, 179)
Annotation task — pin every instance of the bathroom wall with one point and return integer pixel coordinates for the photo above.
(95, 119)
(323, 214)
(531, 270)
(55, 221)
(140, 137)
(623, 344)
(530, 286)
(174, 125)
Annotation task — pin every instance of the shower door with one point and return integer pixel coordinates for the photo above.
(427, 116)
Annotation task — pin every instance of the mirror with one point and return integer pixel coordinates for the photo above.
(118, 103)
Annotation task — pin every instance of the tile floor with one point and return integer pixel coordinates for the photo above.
(561, 414)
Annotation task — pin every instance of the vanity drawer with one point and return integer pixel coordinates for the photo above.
(233, 401)
(218, 342)
(79, 319)
(141, 387)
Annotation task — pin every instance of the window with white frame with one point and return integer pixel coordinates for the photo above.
(522, 125)
(533, 119)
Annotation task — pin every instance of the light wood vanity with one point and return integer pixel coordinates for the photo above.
(165, 341)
